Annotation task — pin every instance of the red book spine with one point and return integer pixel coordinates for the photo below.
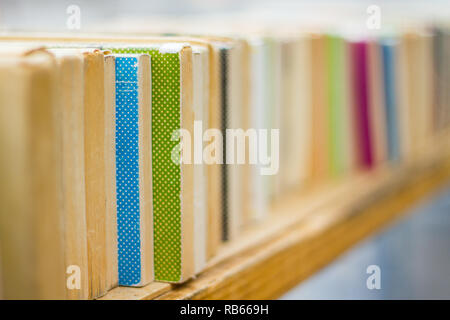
(361, 106)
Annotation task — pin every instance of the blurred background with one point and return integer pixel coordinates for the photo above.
(50, 15)
(413, 256)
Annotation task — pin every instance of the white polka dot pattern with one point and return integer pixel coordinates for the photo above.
(127, 171)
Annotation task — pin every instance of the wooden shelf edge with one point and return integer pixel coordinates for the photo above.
(305, 236)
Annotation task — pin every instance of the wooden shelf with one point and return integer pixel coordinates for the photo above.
(306, 232)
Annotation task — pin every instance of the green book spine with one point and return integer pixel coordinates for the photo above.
(335, 53)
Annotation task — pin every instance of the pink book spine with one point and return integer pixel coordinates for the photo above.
(361, 104)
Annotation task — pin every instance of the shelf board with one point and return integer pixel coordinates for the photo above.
(305, 232)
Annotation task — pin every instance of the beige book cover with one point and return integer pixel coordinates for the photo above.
(200, 70)
(95, 171)
(31, 229)
(415, 92)
(296, 108)
(70, 119)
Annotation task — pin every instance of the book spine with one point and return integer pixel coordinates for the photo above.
(388, 58)
(361, 104)
(95, 171)
(166, 174)
(127, 171)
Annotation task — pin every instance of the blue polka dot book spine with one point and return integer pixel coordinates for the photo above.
(133, 169)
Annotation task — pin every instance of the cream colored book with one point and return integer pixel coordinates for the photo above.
(275, 114)
(259, 119)
(245, 113)
(415, 93)
(214, 169)
(70, 116)
(112, 273)
(95, 171)
(403, 99)
(302, 111)
(31, 233)
(235, 117)
(423, 91)
(295, 112)
(200, 70)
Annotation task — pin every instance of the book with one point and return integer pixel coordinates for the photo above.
(295, 110)
(210, 95)
(100, 237)
(245, 174)
(415, 92)
(319, 160)
(200, 74)
(70, 120)
(234, 63)
(211, 120)
(340, 134)
(99, 163)
(388, 47)
(259, 119)
(133, 148)
(441, 53)
(377, 108)
(231, 173)
(361, 107)
(275, 105)
(420, 89)
(31, 232)
(112, 272)
(213, 169)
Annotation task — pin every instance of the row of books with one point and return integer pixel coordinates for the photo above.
(91, 196)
